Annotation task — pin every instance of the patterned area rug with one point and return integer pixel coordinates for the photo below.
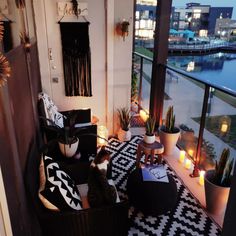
(188, 218)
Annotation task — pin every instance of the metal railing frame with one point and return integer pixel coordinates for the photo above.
(207, 85)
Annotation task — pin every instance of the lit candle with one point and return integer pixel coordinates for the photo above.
(188, 164)
(181, 156)
(190, 152)
(143, 115)
(103, 133)
(224, 128)
(201, 177)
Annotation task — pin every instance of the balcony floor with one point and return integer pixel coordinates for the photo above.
(188, 218)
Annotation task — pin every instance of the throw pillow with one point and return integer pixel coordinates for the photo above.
(51, 110)
(58, 191)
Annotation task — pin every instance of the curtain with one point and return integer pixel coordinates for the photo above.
(76, 58)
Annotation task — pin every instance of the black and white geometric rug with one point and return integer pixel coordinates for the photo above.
(187, 219)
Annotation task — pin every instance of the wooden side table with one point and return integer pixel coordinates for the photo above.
(151, 150)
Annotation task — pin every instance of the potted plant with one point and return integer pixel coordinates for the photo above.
(169, 134)
(68, 141)
(217, 184)
(124, 133)
(149, 136)
(67, 136)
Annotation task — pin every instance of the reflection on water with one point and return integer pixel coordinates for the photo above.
(218, 68)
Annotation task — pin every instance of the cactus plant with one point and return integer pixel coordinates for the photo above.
(169, 126)
(223, 169)
(150, 126)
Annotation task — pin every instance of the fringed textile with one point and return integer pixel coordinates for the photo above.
(76, 58)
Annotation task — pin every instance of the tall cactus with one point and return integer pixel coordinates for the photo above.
(170, 120)
(227, 175)
(150, 126)
(223, 169)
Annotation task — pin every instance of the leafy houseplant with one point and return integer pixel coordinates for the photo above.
(217, 184)
(66, 136)
(134, 92)
(223, 169)
(150, 127)
(169, 126)
(124, 116)
(134, 87)
(169, 133)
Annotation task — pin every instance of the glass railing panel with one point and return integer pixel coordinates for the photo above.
(186, 96)
(220, 127)
(146, 84)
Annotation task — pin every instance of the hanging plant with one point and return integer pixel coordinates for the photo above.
(1, 30)
(20, 4)
(4, 69)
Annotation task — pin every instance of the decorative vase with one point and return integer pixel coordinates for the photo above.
(69, 150)
(169, 140)
(149, 139)
(216, 196)
(124, 135)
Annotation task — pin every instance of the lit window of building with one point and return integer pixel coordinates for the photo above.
(197, 13)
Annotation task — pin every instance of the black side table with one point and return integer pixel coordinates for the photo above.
(152, 198)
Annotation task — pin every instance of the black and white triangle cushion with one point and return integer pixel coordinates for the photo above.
(60, 191)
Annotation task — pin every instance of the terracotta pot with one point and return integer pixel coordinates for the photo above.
(216, 196)
(169, 140)
(124, 135)
(149, 139)
(69, 150)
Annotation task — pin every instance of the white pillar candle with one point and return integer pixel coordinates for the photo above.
(201, 177)
(181, 156)
(103, 133)
(190, 152)
(188, 164)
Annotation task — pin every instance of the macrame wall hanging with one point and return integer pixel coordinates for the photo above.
(76, 58)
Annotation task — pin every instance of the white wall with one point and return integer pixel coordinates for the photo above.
(123, 57)
(111, 84)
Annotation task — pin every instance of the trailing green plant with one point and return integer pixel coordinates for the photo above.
(150, 126)
(134, 87)
(67, 134)
(124, 117)
(223, 169)
(169, 125)
(186, 128)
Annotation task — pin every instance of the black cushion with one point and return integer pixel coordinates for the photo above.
(60, 190)
(152, 198)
